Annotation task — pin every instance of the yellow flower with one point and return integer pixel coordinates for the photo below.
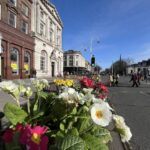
(64, 82)
(36, 138)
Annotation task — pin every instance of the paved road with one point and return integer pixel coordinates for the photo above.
(134, 105)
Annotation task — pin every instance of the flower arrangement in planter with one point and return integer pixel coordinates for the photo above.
(76, 118)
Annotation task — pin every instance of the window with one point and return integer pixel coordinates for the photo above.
(51, 36)
(71, 60)
(65, 57)
(51, 31)
(12, 19)
(70, 63)
(42, 28)
(71, 57)
(14, 58)
(76, 63)
(1, 49)
(42, 14)
(65, 63)
(77, 56)
(43, 61)
(24, 27)
(25, 10)
(13, 2)
(27, 62)
(58, 40)
(0, 11)
(51, 25)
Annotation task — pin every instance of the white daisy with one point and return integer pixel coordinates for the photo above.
(100, 114)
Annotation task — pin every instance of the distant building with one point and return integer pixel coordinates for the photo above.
(75, 63)
(143, 67)
(47, 32)
(88, 66)
(17, 45)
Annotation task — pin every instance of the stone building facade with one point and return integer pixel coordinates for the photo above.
(17, 45)
(47, 32)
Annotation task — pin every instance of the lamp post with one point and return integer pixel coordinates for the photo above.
(91, 54)
(0, 57)
(112, 68)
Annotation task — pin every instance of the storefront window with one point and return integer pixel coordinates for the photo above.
(27, 62)
(14, 58)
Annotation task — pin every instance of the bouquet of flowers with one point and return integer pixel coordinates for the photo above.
(76, 118)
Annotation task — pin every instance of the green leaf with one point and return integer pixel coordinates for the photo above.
(74, 111)
(36, 115)
(43, 94)
(93, 143)
(62, 127)
(84, 124)
(74, 131)
(70, 143)
(103, 134)
(14, 113)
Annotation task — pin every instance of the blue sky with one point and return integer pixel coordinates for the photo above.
(121, 26)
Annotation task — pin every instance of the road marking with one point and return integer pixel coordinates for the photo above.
(123, 91)
(143, 93)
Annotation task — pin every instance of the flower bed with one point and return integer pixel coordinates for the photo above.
(74, 118)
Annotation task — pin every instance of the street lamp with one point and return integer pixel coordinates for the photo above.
(112, 68)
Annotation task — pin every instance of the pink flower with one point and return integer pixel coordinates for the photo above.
(102, 97)
(19, 127)
(34, 137)
(103, 87)
(87, 82)
(8, 135)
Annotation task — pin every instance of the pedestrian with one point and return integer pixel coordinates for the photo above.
(111, 80)
(116, 78)
(139, 77)
(145, 77)
(134, 79)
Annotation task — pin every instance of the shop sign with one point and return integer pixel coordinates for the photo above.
(14, 66)
(26, 66)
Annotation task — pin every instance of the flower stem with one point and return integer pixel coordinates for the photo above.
(28, 105)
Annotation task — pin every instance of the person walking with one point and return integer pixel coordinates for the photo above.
(111, 80)
(134, 79)
(139, 77)
(116, 78)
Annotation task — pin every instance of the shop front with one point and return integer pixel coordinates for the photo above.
(16, 59)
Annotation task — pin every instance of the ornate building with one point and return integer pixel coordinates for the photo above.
(17, 45)
(47, 32)
(75, 63)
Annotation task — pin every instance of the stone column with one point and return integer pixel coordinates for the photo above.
(0, 57)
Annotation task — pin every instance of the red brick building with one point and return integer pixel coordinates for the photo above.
(17, 44)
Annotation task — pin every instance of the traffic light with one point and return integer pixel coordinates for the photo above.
(93, 61)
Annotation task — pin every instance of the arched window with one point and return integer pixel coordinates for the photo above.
(14, 58)
(43, 61)
(2, 49)
(27, 61)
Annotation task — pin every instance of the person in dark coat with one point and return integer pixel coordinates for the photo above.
(134, 79)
